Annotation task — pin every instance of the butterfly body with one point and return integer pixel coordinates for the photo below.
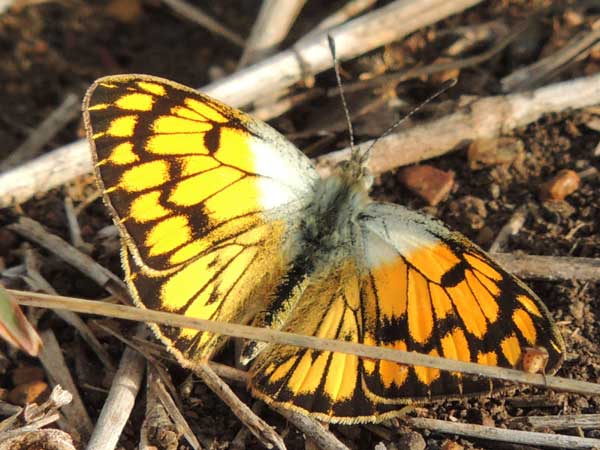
(223, 219)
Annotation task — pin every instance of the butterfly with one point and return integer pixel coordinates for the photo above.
(222, 218)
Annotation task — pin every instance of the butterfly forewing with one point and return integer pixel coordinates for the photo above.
(203, 196)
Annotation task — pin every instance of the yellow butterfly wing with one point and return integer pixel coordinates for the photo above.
(410, 284)
(204, 197)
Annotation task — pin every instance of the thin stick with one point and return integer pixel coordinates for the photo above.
(585, 421)
(34, 231)
(74, 228)
(157, 389)
(552, 268)
(272, 25)
(530, 76)
(35, 279)
(196, 15)
(33, 145)
(280, 337)
(120, 401)
(512, 227)
(54, 363)
(349, 10)
(283, 105)
(395, 78)
(504, 435)
(485, 118)
(313, 430)
(259, 428)
(389, 23)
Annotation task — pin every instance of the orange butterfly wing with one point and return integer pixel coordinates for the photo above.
(410, 284)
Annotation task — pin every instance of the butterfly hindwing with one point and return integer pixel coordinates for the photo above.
(451, 300)
(203, 195)
(408, 283)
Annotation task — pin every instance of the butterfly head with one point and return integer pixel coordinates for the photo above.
(354, 172)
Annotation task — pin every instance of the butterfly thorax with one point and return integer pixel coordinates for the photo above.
(338, 200)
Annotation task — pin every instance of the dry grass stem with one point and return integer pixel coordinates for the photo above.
(551, 65)
(280, 337)
(503, 434)
(58, 373)
(37, 282)
(34, 144)
(259, 428)
(196, 15)
(512, 227)
(387, 24)
(163, 413)
(73, 223)
(120, 401)
(239, 441)
(8, 409)
(272, 25)
(155, 381)
(34, 231)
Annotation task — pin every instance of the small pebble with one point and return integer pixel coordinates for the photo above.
(564, 183)
(596, 151)
(27, 393)
(472, 209)
(428, 182)
(451, 445)
(412, 441)
(593, 124)
(125, 11)
(494, 152)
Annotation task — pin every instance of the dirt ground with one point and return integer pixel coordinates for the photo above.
(51, 48)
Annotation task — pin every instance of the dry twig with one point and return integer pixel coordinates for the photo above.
(584, 421)
(552, 268)
(485, 118)
(56, 367)
(48, 439)
(158, 389)
(33, 145)
(120, 400)
(74, 229)
(34, 231)
(194, 14)
(351, 9)
(551, 65)
(511, 228)
(504, 435)
(272, 25)
(313, 430)
(37, 282)
(259, 428)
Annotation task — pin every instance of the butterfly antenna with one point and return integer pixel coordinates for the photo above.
(447, 85)
(336, 68)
